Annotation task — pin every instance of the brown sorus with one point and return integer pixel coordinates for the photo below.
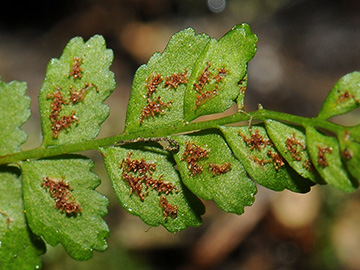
(60, 191)
(192, 154)
(322, 155)
(76, 70)
(222, 72)
(62, 123)
(152, 83)
(56, 104)
(203, 97)
(242, 85)
(160, 186)
(292, 144)
(347, 154)
(203, 79)
(256, 140)
(137, 166)
(79, 95)
(176, 79)
(308, 165)
(261, 162)
(153, 108)
(345, 96)
(65, 121)
(76, 95)
(217, 169)
(138, 174)
(168, 209)
(89, 85)
(278, 160)
(135, 183)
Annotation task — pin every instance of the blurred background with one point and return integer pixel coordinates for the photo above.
(304, 48)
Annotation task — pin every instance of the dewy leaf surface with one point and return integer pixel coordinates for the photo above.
(253, 147)
(72, 95)
(210, 171)
(343, 97)
(148, 186)
(325, 154)
(290, 141)
(81, 231)
(15, 111)
(219, 76)
(157, 96)
(19, 247)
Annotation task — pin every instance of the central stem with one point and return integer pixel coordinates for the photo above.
(261, 114)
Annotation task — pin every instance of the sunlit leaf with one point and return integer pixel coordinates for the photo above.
(219, 76)
(210, 171)
(325, 155)
(15, 111)
(62, 205)
(262, 161)
(19, 247)
(343, 97)
(72, 95)
(148, 186)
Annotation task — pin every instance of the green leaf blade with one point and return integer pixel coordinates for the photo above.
(350, 153)
(350, 150)
(144, 200)
(19, 247)
(253, 147)
(72, 95)
(343, 97)
(325, 154)
(290, 141)
(210, 171)
(172, 67)
(219, 76)
(80, 232)
(15, 111)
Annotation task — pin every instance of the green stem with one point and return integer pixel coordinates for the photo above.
(261, 114)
